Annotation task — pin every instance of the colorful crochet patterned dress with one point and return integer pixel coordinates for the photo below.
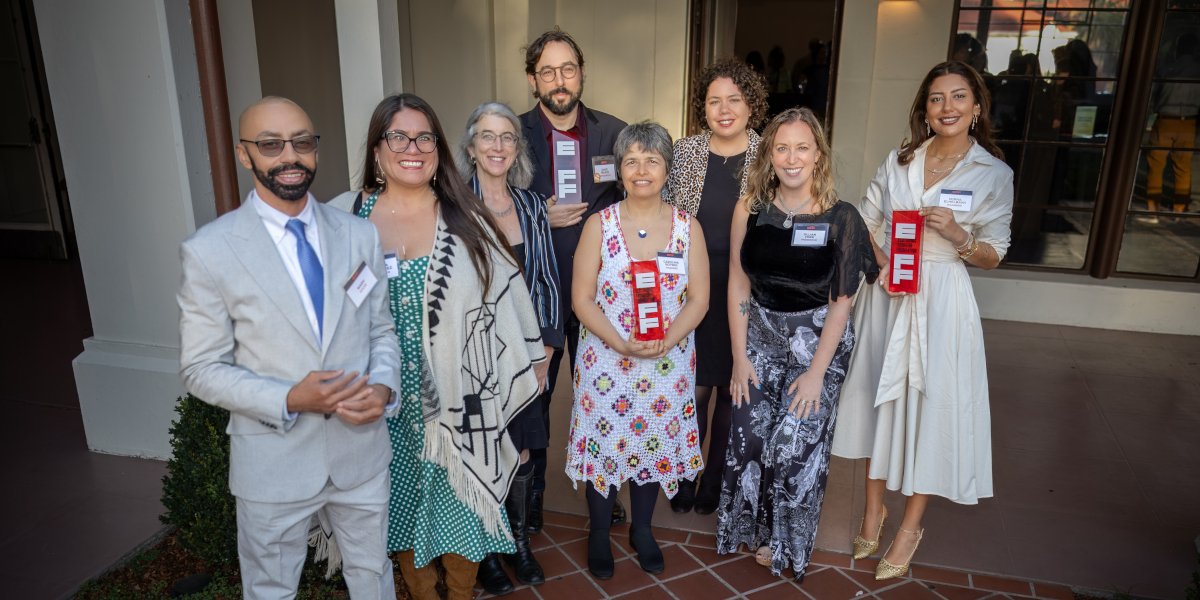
(634, 419)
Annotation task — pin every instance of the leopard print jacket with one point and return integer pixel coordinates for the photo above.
(685, 182)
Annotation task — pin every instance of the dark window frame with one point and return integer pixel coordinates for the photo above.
(1134, 82)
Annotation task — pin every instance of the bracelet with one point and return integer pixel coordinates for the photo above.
(968, 253)
(966, 244)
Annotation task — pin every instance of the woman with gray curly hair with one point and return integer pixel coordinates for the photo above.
(634, 417)
(492, 158)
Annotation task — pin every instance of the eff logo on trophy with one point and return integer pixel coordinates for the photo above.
(907, 227)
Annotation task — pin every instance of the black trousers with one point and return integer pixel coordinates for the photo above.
(538, 457)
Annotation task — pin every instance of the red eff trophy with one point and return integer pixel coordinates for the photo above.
(647, 301)
(907, 227)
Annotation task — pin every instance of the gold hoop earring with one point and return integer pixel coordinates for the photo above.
(379, 176)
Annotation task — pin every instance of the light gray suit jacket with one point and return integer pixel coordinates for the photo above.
(245, 341)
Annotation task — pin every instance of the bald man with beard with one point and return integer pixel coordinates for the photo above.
(284, 323)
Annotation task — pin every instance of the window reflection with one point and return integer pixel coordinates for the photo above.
(1049, 238)
(1167, 246)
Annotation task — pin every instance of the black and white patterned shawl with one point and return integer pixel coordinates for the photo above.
(477, 373)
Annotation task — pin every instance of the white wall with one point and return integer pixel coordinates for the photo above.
(113, 78)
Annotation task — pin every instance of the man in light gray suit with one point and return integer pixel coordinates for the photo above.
(278, 320)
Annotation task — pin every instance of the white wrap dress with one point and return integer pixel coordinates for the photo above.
(915, 400)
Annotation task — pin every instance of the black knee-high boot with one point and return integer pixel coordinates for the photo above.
(526, 566)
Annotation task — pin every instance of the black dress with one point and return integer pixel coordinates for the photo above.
(722, 186)
(527, 429)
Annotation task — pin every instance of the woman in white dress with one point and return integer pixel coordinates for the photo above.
(915, 401)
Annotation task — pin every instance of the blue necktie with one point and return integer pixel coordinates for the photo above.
(314, 275)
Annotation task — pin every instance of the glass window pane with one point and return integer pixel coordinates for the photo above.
(1183, 4)
(1059, 176)
(987, 39)
(1160, 246)
(1164, 179)
(1080, 4)
(1012, 155)
(1010, 102)
(1049, 238)
(1177, 52)
(1082, 43)
(1071, 110)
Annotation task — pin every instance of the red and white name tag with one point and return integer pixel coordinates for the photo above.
(647, 301)
(907, 228)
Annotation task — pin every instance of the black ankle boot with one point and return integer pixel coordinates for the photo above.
(649, 554)
(685, 498)
(517, 504)
(707, 499)
(534, 520)
(491, 574)
(600, 558)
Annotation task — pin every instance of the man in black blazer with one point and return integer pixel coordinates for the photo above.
(554, 67)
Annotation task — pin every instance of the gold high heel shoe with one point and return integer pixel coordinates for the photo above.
(886, 570)
(864, 548)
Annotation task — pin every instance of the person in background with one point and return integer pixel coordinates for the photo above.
(470, 342)
(779, 79)
(789, 317)
(268, 333)
(1175, 108)
(555, 71)
(492, 159)
(706, 179)
(915, 402)
(754, 60)
(634, 417)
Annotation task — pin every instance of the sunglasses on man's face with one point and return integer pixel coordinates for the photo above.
(302, 145)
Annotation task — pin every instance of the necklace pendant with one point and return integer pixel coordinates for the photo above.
(787, 223)
(641, 233)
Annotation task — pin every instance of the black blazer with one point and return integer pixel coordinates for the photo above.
(602, 130)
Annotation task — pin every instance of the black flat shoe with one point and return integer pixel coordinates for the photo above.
(600, 558)
(618, 513)
(685, 497)
(650, 556)
(707, 500)
(492, 576)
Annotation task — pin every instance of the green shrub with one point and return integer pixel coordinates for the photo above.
(196, 488)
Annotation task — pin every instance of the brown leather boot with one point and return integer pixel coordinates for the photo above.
(422, 582)
(460, 577)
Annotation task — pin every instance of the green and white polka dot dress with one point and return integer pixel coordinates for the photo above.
(424, 514)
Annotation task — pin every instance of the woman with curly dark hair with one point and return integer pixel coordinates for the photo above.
(729, 99)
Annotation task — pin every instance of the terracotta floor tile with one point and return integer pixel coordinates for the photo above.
(838, 518)
(700, 586)
(954, 592)
(1146, 396)
(555, 563)
(1058, 482)
(564, 520)
(539, 541)
(575, 586)
(939, 575)
(830, 584)
(909, 591)
(678, 562)
(578, 550)
(702, 540)
(627, 576)
(1131, 361)
(829, 558)
(962, 536)
(1161, 441)
(670, 535)
(622, 529)
(657, 592)
(744, 574)
(867, 579)
(1000, 584)
(1053, 592)
(710, 557)
(522, 593)
(866, 564)
(783, 591)
(563, 535)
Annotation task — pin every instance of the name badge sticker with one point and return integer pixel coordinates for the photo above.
(361, 283)
(391, 263)
(604, 168)
(672, 263)
(813, 235)
(959, 200)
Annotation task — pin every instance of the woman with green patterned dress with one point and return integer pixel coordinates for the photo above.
(469, 341)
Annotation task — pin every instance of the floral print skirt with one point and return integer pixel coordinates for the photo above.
(776, 466)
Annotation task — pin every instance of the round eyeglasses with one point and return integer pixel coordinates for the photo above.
(488, 138)
(569, 71)
(399, 142)
(302, 145)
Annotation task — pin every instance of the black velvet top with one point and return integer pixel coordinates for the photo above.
(788, 278)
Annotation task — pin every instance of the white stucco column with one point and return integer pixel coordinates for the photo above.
(369, 58)
(125, 94)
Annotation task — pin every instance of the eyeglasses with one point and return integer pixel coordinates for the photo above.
(302, 145)
(488, 138)
(569, 71)
(399, 142)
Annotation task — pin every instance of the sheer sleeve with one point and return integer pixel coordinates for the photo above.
(994, 221)
(855, 255)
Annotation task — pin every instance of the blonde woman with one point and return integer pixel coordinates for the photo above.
(797, 255)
